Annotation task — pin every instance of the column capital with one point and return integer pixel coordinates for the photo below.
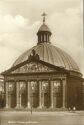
(26, 81)
(63, 78)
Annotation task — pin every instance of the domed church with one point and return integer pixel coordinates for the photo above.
(44, 77)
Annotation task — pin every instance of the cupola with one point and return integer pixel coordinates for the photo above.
(44, 32)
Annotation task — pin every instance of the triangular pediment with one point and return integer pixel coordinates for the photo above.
(33, 67)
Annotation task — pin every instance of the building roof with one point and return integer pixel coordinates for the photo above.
(51, 54)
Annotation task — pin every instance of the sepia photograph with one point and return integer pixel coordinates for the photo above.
(41, 62)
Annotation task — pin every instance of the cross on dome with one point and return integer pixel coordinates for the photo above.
(44, 15)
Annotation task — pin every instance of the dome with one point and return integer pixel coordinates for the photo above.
(47, 52)
(50, 54)
(44, 27)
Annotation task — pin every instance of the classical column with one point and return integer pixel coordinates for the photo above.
(18, 95)
(40, 92)
(83, 93)
(64, 92)
(7, 97)
(46, 37)
(43, 100)
(28, 95)
(20, 100)
(51, 94)
(42, 95)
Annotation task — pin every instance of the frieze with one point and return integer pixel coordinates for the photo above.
(34, 77)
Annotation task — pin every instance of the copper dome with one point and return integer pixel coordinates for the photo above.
(51, 54)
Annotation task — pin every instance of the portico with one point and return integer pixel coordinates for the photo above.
(44, 93)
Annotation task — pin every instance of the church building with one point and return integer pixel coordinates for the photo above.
(43, 77)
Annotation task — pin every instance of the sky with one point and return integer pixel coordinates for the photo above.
(21, 19)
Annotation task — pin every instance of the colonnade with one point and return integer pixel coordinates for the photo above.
(29, 88)
(44, 38)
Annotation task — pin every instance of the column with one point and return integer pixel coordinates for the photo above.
(20, 99)
(51, 94)
(40, 92)
(64, 92)
(28, 95)
(83, 93)
(7, 98)
(18, 95)
(43, 100)
(42, 95)
(46, 37)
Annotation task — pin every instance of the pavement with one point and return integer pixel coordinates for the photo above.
(41, 118)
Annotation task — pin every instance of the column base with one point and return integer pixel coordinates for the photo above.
(64, 108)
(51, 107)
(18, 107)
(7, 106)
(28, 106)
(39, 107)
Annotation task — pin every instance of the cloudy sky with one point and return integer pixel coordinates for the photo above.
(20, 20)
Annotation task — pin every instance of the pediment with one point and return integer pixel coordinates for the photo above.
(33, 67)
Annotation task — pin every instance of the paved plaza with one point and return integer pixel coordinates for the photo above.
(41, 118)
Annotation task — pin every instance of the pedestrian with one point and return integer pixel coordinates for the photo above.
(74, 108)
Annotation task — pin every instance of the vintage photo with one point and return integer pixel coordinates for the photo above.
(41, 62)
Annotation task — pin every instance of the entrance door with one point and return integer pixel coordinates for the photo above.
(46, 100)
(57, 94)
(23, 99)
(23, 94)
(46, 93)
(12, 95)
(35, 100)
(34, 94)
